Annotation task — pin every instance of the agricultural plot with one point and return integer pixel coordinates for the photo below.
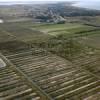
(54, 77)
(68, 28)
(57, 77)
(54, 27)
(89, 61)
(72, 30)
(95, 21)
(14, 86)
(27, 31)
(21, 33)
(5, 36)
(92, 40)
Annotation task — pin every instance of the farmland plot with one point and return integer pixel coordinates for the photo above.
(14, 86)
(57, 77)
(55, 27)
(5, 36)
(21, 33)
(92, 40)
(68, 28)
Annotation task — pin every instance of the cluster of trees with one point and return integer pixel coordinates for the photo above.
(61, 46)
(43, 17)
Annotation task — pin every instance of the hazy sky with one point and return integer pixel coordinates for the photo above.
(28, 0)
(37, 0)
(92, 4)
(45, 0)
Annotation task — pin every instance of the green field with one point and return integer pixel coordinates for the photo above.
(91, 40)
(56, 29)
(41, 32)
(20, 31)
(28, 31)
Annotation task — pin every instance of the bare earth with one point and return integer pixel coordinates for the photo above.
(2, 63)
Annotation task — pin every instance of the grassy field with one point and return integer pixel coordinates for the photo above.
(71, 30)
(5, 36)
(55, 27)
(91, 40)
(31, 32)
(21, 32)
(68, 28)
(27, 31)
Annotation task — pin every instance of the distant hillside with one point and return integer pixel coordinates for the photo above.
(45, 12)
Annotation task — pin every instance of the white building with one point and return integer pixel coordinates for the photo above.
(1, 21)
(2, 63)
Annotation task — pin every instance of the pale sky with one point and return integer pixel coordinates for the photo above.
(28, 1)
(37, 0)
(24, 1)
(34, 0)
